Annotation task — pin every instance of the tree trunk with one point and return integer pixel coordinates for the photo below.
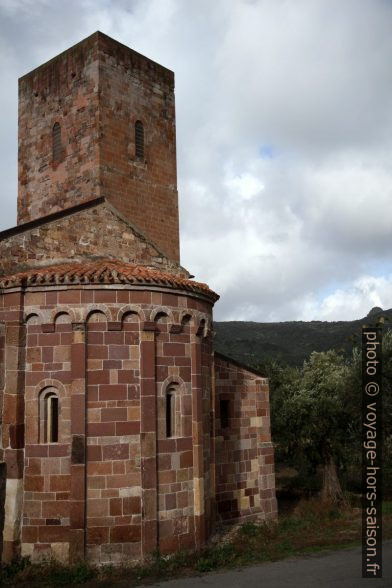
(331, 490)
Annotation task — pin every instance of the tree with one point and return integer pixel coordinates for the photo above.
(316, 415)
(315, 418)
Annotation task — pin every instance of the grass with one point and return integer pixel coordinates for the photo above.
(387, 507)
(311, 527)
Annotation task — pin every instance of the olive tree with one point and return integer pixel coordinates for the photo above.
(315, 419)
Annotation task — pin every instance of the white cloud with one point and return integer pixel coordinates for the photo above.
(243, 187)
(365, 293)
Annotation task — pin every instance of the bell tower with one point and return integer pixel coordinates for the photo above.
(96, 121)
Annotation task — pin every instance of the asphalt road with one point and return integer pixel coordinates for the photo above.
(341, 569)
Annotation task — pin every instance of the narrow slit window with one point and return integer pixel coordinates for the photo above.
(224, 413)
(51, 419)
(139, 139)
(54, 419)
(56, 142)
(169, 414)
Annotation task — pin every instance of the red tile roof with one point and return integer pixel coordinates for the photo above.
(103, 272)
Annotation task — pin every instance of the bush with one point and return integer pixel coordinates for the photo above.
(45, 573)
(10, 570)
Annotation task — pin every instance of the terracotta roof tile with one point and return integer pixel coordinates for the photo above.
(103, 272)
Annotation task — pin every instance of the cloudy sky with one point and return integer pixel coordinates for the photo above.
(284, 136)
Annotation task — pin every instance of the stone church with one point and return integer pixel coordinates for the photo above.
(122, 432)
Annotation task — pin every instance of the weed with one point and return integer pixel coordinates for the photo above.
(285, 547)
(13, 568)
(387, 507)
(313, 526)
(292, 523)
(45, 573)
(249, 530)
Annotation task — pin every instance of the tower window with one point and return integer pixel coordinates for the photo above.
(56, 142)
(224, 413)
(139, 139)
(170, 416)
(50, 418)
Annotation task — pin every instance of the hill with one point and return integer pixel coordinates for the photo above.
(291, 342)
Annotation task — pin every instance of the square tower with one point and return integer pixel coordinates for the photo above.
(98, 120)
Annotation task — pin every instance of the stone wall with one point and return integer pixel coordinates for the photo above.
(245, 480)
(47, 473)
(114, 482)
(64, 90)
(2, 371)
(96, 91)
(13, 417)
(113, 486)
(94, 233)
(145, 191)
